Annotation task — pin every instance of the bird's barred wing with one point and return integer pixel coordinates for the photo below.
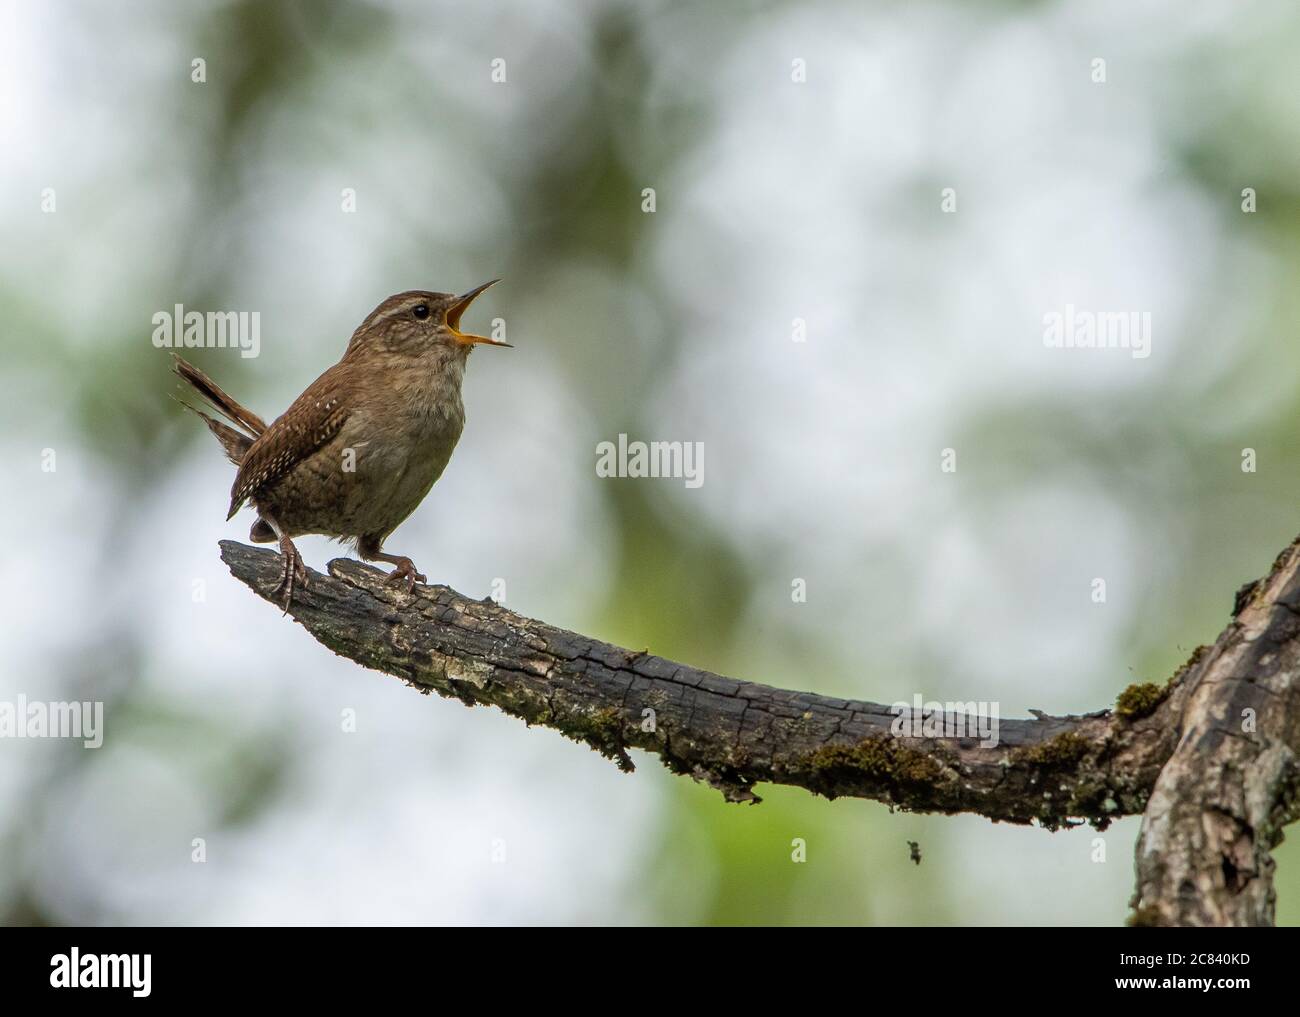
(312, 421)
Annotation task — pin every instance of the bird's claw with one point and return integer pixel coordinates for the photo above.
(293, 573)
(405, 572)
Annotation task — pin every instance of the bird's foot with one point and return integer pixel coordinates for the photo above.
(405, 572)
(293, 573)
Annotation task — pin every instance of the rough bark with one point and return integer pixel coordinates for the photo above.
(732, 734)
(1215, 798)
(1220, 803)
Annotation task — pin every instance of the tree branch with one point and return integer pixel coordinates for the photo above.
(1211, 757)
(1220, 803)
(731, 734)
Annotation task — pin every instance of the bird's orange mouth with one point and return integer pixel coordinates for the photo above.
(458, 308)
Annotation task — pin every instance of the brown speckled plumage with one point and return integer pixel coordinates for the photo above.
(356, 452)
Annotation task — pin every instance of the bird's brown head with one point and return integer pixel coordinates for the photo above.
(418, 322)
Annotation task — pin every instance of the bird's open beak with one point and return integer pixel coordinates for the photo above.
(458, 308)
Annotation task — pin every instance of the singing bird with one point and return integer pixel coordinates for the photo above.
(356, 452)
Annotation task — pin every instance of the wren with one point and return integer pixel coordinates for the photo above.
(355, 454)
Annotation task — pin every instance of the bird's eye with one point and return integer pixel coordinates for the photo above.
(421, 311)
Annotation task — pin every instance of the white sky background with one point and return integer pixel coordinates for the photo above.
(817, 201)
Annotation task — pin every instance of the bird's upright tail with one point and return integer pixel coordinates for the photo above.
(247, 424)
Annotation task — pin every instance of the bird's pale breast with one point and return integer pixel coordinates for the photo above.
(378, 468)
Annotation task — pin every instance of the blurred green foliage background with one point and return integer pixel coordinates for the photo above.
(775, 200)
